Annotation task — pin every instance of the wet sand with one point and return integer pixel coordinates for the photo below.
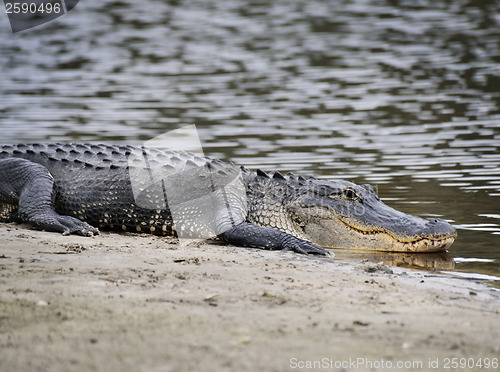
(124, 302)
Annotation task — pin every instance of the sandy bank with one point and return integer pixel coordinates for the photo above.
(119, 302)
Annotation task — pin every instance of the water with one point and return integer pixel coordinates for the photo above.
(404, 95)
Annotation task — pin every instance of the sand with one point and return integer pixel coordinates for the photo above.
(124, 302)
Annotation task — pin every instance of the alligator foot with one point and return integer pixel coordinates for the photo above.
(247, 234)
(29, 187)
(64, 224)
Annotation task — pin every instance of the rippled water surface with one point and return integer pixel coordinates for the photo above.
(404, 95)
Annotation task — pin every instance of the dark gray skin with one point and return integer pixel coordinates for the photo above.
(78, 188)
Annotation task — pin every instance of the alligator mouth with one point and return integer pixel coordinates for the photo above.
(428, 245)
(420, 244)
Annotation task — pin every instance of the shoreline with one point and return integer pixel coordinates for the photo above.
(120, 302)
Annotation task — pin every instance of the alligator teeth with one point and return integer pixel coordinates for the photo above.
(425, 245)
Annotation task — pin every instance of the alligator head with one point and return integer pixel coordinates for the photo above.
(341, 214)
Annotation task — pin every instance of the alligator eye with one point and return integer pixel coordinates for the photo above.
(350, 194)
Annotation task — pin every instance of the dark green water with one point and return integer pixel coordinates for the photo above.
(404, 95)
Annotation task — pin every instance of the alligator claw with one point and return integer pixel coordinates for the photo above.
(66, 225)
(304, 247)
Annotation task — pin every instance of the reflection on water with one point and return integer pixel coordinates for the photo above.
(427, 261)
(401, 94)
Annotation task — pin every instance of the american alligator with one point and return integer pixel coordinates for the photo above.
(80, 188)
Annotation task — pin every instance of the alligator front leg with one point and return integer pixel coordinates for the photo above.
(28, 187)
(250, 235)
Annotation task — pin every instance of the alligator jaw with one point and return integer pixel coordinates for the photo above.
(421, 244)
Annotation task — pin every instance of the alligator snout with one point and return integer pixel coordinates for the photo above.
(439, 229)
